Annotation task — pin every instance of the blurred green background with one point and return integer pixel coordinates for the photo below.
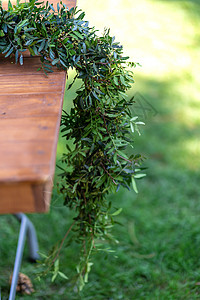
(158, 255)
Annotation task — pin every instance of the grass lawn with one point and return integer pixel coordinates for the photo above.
(158, 254)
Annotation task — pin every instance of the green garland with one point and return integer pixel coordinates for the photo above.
(100, 123)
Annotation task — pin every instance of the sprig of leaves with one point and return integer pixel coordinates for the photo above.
(100, 123)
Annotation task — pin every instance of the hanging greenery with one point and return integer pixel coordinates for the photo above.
(100, 124)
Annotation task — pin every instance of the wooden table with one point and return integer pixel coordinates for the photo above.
(30, 111)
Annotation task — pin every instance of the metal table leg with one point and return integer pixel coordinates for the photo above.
(25, 228)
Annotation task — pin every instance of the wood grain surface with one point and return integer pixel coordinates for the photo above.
(30, 111)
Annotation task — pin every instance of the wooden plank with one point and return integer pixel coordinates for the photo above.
(20, 84)
(10, 195)
(17, 105)
(8, 66)
(25, 154)
(30, 110)
(31, 173)
(28, 129)
(29, 195)
(29, 138)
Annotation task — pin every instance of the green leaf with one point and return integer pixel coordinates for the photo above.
(116, 80)
(51, 54)
(54, 277)
(140, 123)
(9, 5)
(21, 60)
(95, 95)
(79, 35)
(7, 49)
(52, 7)
(139, 175)
(2, 33)
(117, 212)
(73, 35)
(55, 61)
(134, 185)
(22, 23)
(10, 51)
(42, 46)
(122, 80)
(56, 264)
(5, 29)
(62, 275)
(134, 118)
(132, 127)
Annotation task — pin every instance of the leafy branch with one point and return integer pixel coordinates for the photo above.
(100, 124)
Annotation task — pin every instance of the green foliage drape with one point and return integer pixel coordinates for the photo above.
(100, 123)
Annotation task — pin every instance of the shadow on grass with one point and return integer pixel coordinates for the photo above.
(171, 134)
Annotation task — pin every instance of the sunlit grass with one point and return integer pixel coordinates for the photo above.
(158, 34)
(163, 36)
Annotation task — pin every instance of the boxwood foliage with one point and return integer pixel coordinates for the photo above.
(100, 124)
